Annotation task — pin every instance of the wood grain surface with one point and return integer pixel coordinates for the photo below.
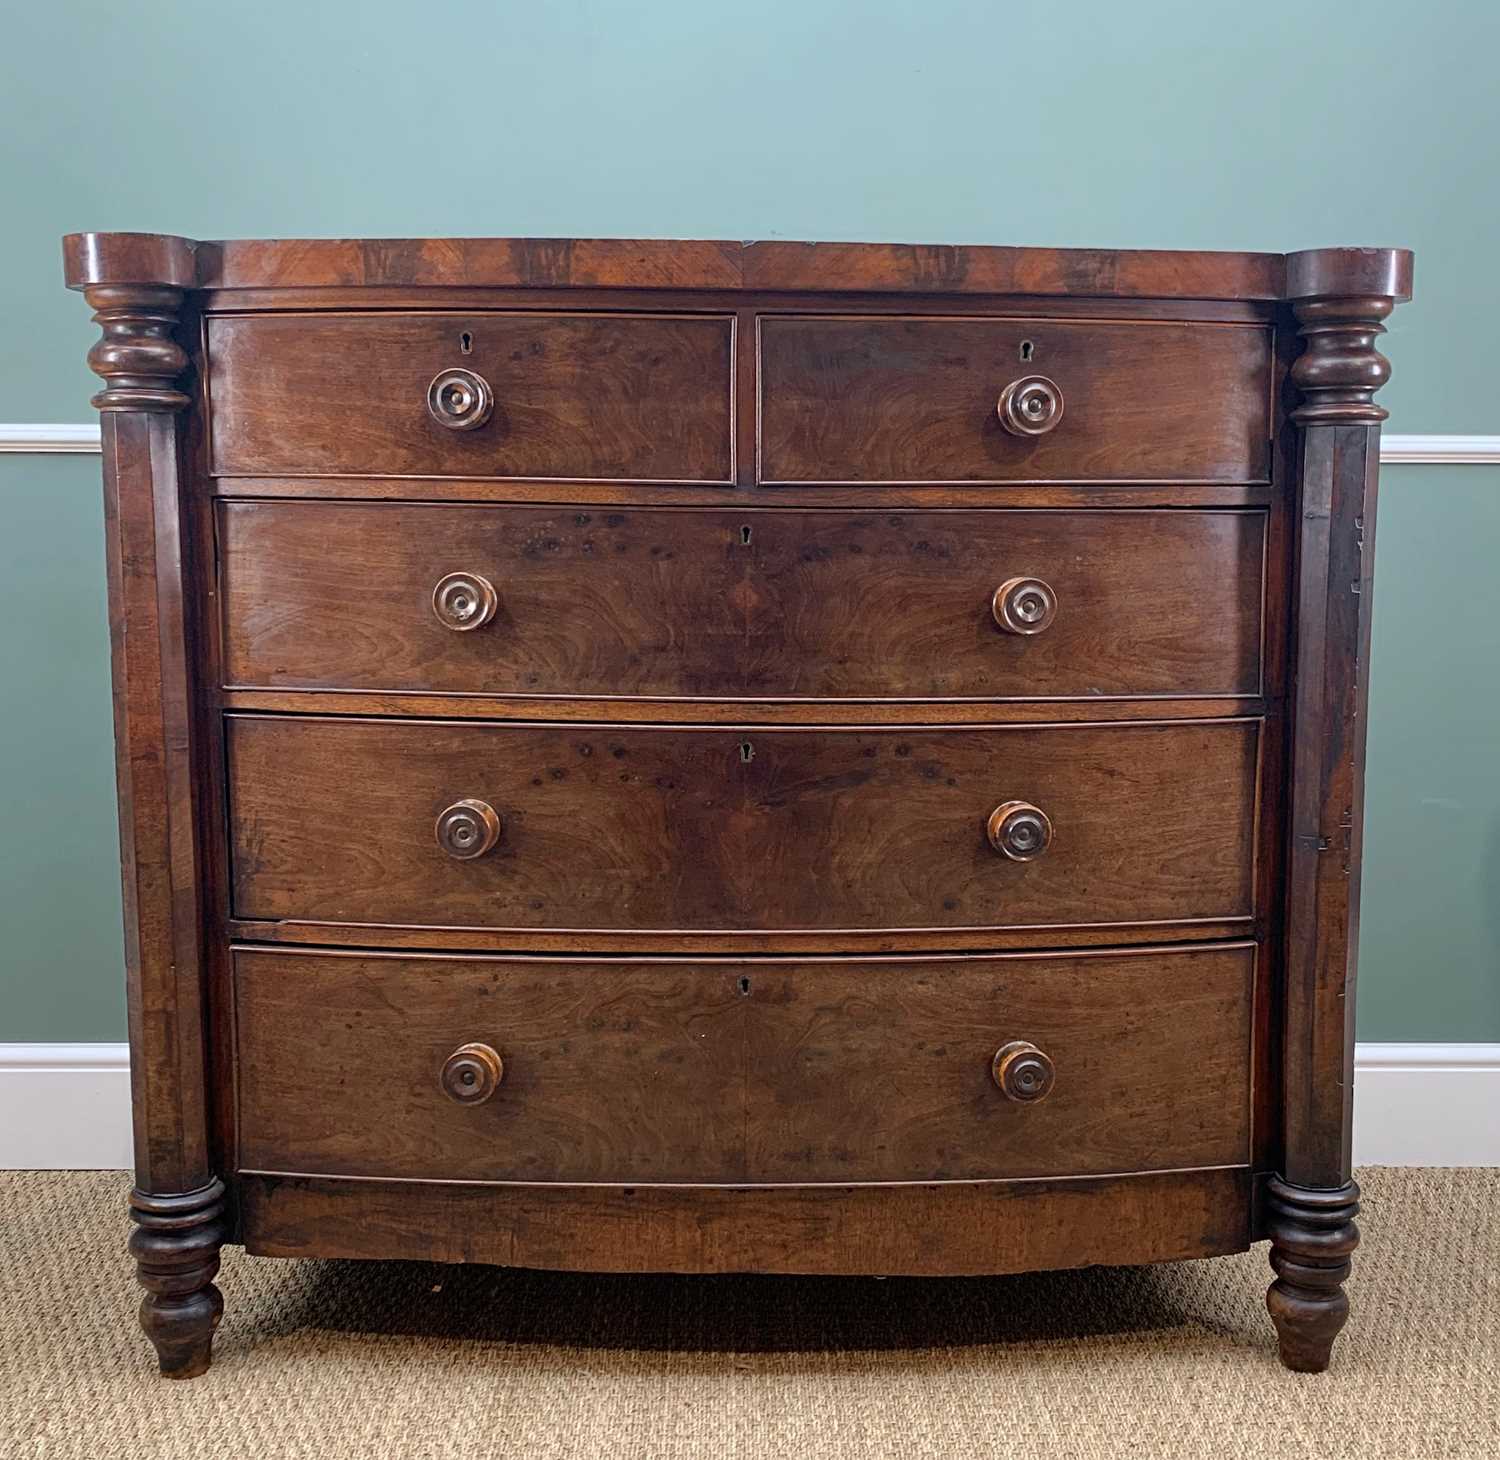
(704, 264)
(641, 397)
(729, 956)
(957, 1228)
(755, 1071)
(915, 399)
(743, 605)
(612, 827)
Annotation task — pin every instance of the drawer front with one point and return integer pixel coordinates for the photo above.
(721, 604)
(756, 1071)
(914, 400)
(592, 396)
(597, 827)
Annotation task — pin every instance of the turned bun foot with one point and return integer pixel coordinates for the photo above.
(1312, 1236)
(182, 1330)
(176, 1249)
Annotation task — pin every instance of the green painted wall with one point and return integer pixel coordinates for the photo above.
(61, 963)
(1430, 914)
(1167, 123)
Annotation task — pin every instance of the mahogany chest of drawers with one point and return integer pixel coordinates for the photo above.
(716, 757)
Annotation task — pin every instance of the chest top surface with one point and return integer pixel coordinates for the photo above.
(698, 264)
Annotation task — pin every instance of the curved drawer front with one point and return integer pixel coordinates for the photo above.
(682, 603)
(722, 1071)
(591, 396)
(930, 399)
(614, 828)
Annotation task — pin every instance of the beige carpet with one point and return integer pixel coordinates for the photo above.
(333, 1359)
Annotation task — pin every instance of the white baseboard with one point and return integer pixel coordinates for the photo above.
(1427, 1105)
(66, 1107)
(48, 439)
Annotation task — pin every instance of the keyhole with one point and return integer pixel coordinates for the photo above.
(744, 985)
(745, 536)
(1028, 349)
(466, 342)
(747, 751)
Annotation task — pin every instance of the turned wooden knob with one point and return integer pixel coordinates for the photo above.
(1024, 605)
(464, 601)
(468, 828)
(1030, 406)
(472, 1073)
(461, 400)
(1022, 1071)
(1019, 830)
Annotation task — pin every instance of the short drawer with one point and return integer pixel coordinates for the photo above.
(528, 395)
(482, 825)
(1005, 400)
(513, 1069)
(688, 603)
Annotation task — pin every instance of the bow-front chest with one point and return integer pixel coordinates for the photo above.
(739, 757)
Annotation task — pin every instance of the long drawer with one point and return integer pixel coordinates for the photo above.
(683, 603)
(596, 396)
(1002, 400)
(513, 1069)
(476, 824)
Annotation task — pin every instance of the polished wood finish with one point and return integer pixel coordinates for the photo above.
(749, 605)
(1024, 606)
(1032, 405)
(947, 1229)
(619, 263)
(176, 1245)
(468, 828)
(729, 829)
(751, 1071)
(1314, 1199)
(113, 259)
(914, 400)
(462, 602)
(1312, 1236)
(626, 397)
(1044, 273)
(178, 1200)
(848, 756)
(136, 355)
(461, 400)
(785, 711)
(1019, 830)
(737, 943)
(1023, 1072)
(472, 1073)
(513, 492)
(1329, 273)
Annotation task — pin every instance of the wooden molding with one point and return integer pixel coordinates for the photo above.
(62, 438)
(1440, 450)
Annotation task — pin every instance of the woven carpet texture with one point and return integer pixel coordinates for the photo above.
(333, 1359)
